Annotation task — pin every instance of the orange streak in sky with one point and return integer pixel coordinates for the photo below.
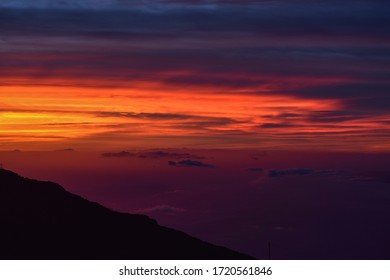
(122, 117)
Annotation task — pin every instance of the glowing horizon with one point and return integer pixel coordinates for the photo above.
(60, 117)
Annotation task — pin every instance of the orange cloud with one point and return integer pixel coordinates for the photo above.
(57, 116)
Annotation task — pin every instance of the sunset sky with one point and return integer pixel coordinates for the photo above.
(240, 122)
(120, 74)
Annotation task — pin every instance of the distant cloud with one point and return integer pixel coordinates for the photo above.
(335, 116)
(164, 154)
(161, 209)
(152, 116)
(373, 176)
(122, 154)
(190, 163)
(276, 125)
(153, 155)
(58, 4)
(273, 173)
(289, 172)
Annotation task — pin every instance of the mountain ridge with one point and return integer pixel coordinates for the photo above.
(41, 220)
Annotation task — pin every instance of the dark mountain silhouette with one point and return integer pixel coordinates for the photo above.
(40, 220)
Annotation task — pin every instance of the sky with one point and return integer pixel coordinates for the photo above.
(114, 75)
(237, 122)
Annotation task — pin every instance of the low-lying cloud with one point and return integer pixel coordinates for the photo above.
(122, 154)
(152, 155)
(190, 163)
(274, 173)
(161, 209)
(164, 154)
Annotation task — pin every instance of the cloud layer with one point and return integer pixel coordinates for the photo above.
(190, 163)
(208, 73)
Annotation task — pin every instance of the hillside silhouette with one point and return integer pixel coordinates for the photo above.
(41, 220)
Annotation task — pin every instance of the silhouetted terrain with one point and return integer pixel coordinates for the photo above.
(40, 220)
